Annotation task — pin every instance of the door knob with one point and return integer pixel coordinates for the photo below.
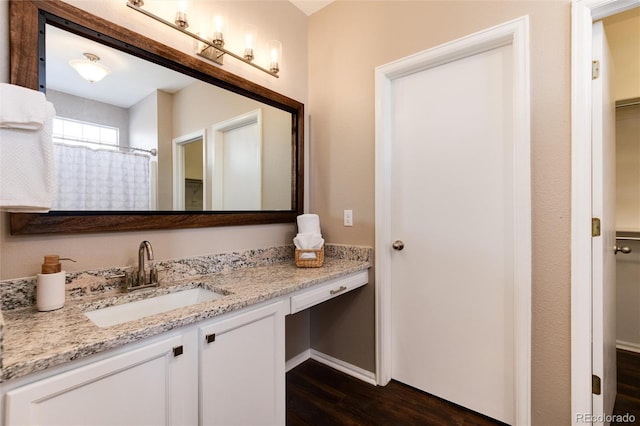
(397, 245)
(623, 249)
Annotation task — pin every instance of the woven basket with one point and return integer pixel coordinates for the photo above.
(304, 259)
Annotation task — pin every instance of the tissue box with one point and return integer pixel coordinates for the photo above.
(309, 258)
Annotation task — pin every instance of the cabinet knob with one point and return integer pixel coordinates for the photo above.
(210, 338)
(178, 350)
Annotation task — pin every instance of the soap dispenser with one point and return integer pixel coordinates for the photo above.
(50, 284)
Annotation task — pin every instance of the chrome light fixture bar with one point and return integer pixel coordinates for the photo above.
(213, 50)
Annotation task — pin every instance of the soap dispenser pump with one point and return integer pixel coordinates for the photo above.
(50, 284)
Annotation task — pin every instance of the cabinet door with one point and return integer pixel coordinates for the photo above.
(242, 369)
(131, 388)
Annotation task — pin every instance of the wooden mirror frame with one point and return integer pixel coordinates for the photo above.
(26, 35)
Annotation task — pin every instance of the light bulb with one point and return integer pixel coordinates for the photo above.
(275, 54)
(218, 22)
(218, 36)
(181, 15)
(250, 36)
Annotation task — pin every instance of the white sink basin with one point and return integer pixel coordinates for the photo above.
(119, 314)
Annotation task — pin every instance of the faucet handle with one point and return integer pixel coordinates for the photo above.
(153, 275)
(129, 280)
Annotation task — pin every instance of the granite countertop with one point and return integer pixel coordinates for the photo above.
(33, 341)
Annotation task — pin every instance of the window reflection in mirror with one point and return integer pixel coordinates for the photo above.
(246, 166)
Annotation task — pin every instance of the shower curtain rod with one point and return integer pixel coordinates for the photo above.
(152, 151)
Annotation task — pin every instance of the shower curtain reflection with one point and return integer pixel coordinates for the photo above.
(90, 179)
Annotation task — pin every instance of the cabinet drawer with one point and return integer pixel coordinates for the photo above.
(328, 291)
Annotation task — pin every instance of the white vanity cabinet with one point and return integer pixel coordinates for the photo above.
(146, 385)
(229, 370)
(242, 368)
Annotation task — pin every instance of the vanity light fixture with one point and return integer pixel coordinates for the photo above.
(181, 15)
(218, 31)
(214, 49)
(89, 68)
(275, 54)
(250, 38)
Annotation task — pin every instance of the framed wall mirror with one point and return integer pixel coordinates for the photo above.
(208, 147)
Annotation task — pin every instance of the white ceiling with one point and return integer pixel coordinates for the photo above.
(310, 6)
(131, 78)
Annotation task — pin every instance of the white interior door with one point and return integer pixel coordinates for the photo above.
(236, 161)
(242, 169)
(603, 207)
(453, 190)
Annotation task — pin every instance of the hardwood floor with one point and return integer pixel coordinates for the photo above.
(319, 395)
(628, 399)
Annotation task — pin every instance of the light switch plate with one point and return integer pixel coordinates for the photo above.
(348, 218)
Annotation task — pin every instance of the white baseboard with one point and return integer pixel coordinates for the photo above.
(335, 363)
(345, 367)
(297, 360)
(628, 346)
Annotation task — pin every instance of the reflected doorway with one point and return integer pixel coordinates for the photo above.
(194, 175)
(190, 172)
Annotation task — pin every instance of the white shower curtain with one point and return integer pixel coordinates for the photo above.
(100, 179)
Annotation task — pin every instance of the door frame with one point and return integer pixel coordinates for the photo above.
(515, 33)
(583, 13)
(178, 167)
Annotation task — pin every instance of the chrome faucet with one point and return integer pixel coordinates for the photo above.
(139, 279)
(144, 246)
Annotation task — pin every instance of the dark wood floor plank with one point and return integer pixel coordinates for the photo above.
(628, 399)
(319, 395)
(628, 373)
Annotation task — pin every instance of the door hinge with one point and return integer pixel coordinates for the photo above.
(595, 385)
(595, 227)
(595, 69)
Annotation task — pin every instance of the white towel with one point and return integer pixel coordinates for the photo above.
(27, 165)
(308, 224)
(22, 108)
(308, 241)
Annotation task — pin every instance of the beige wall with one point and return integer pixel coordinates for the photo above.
(193, 159)
(21, 256)
(347, 40)
(623, 33)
